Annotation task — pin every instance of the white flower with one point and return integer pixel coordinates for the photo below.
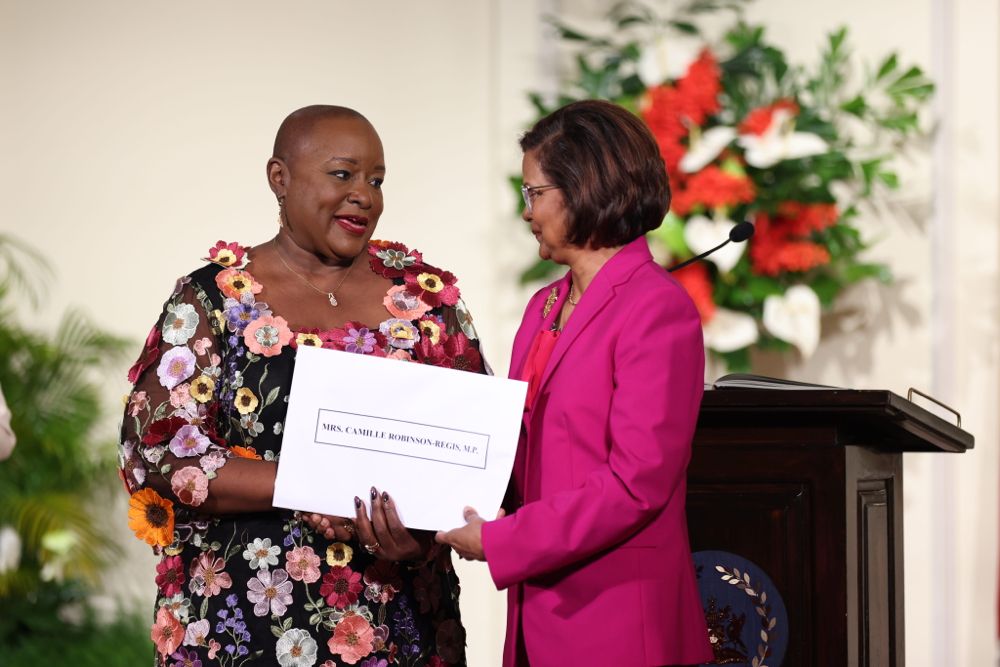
(261, 554)
(702, 234)
(296, 648)
(794, 317)
(180, 323)
(780, 142)
(667, 57)
(730, 330)
(196, 634)
(10, 549)
(706, 148)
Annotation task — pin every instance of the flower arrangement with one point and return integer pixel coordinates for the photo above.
(745, 135)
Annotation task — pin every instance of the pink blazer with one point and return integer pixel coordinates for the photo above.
(596, 560)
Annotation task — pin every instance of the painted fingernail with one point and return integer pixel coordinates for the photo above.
(357, 502)
(385, 497)
(374, 493)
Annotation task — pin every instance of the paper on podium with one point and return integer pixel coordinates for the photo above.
(436, 439)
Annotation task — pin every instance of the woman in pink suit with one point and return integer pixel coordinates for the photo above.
(594, 552)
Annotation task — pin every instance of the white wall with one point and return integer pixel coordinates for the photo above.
(134, 134)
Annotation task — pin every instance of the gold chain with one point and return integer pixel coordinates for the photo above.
(329, 295)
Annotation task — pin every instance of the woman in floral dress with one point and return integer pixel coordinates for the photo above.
(240, 582)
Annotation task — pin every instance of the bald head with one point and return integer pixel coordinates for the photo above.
(299, 125)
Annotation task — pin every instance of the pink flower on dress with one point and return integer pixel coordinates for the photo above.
(167, 632)
(180, 395)
(352, 639)
(267, 335)
(190, 485)
(196, 633)
(302, 564)
(170, 575)
(341, 586)
(230, 255)
(271, 592)
(404, 305)
(234, 283)
(188, 441)
(202, 344)
(138, 402)
(176, 365)
(207, 575)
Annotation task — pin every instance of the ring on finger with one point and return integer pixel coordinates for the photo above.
(372, 548)
(349, 526)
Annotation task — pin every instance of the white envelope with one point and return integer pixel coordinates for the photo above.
(436, 439)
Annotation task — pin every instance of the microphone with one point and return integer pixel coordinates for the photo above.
(741, 232)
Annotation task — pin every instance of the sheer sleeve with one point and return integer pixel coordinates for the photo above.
(169, 438)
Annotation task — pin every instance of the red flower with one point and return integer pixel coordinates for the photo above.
(150, 353)
(781, 242)
(393, 260)
(163, 429)
(229, 255)
(433, 286)
(341, 586)
(454, 352)
(170, 575)
(712, 188)
(759, 120)
(695, 281)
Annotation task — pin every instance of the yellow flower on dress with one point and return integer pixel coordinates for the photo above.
(202, 388)
(430, 329)
(151, 517)
(308, 339)
(246, 402)
(430, 282)
(338, 554)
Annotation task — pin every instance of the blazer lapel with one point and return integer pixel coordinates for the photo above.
(540, 316)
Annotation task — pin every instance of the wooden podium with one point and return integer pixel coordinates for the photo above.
(808, 485)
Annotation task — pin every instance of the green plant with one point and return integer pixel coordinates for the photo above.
(53, 384)
(747, 135)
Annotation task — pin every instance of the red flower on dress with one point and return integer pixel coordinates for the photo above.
(433, 286)
(170, 575)
(163, 429)
(696, 282)
(150, 353)
(341, 586)
(393, 260)
(454, 352)
(229, 255)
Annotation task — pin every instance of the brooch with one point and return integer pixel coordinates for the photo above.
(549, 302)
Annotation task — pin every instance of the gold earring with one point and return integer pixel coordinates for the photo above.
(281, 212)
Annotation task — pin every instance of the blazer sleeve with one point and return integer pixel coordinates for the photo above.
(651, 424)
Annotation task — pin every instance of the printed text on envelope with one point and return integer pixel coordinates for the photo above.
(402, 438)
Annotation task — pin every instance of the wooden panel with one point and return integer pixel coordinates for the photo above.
(876, 576)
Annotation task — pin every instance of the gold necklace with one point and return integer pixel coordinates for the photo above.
(329, 295)
(569, 297)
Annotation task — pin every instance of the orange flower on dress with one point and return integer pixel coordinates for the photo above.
(234, 283)
(151, 517)
(167, 632)
(246, 452)
(352, 639)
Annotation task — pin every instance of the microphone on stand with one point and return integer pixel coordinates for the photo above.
(741, 232)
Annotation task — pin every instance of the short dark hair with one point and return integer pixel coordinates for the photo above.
(609, 168)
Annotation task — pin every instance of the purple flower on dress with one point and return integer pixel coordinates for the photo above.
(189, 441)
(176, 365)
(374, 662)
(401, 334)
(241, 313)
(271, 592)
(185, 658)
(360, 341)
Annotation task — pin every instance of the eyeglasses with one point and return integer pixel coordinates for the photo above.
(529, 192)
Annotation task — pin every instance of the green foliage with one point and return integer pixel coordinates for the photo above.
(52, 381)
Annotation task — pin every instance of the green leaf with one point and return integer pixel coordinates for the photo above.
(889, 178)
(272, 396)
(540, 270)
(887, 67)
(856, 272)
(671, 235)
(685, 27)
(856, 106)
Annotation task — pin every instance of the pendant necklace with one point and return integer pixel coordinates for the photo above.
(329, 295)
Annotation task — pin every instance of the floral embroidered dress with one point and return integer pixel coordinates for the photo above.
(261, 589)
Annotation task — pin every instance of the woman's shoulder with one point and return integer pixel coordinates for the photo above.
(430, 282)
(222, 264)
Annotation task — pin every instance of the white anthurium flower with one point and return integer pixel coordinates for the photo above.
(702, 234)
(780, 142)
(730, 330)
(706, 148)
(10, 549)
(794, 317)
(667, 57)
